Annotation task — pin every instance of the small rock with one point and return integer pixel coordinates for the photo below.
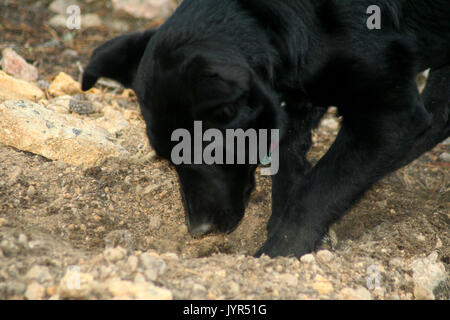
(123, 238)
(81, 105)
(198, 291)
(308, 258)
(397, 263)
(324, 256)
(16, 66)
(12, 89)
(60, 104)
(154, 222)
(90, 20)
(355, 294)
(322, 285)
(113, 120)
(15, 288)
(154, 266)
(446, 142)
(289, 279)
(118, 25)
(144, 9)
(60, 6)
(70, 53)
(114, 254)
(428, 273)
(140, 291)
(51, 291)
(445, 157)
(43, 84)
(35, 291)
(31, 191)
(39, 273)
(9, 248)
(58, 21)
(76, 285)
(64, 85)
(13, 176)
(151, 274)
(132, 264)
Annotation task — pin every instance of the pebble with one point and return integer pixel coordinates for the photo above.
(140, 291)
(289, 279)
(63, 84)
(154, 222)
(76, 285)
(324, 256)
(322, 285)
(114, 254)
(60, 6)
(428, 273)
(81, 105)
(15, 89)
(446, 142)
(123, 238)
(35, 291)
(13, 288)
(144, 9)
(355, 294)
(15, 65)
(154, 267)
(308, 258)
(39, 273)
(445, 157)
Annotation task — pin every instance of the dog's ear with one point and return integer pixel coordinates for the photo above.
(212, 84)
(216, 84)
(117, 59)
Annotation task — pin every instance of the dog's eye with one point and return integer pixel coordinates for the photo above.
(224, 114)
(228, 112)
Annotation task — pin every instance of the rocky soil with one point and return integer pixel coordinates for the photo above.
(88, 211)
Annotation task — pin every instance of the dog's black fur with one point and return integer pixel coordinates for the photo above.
(230, 63)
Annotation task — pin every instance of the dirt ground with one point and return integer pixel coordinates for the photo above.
(68, 215)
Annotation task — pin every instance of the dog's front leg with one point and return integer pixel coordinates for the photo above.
(302, 118)
(369, 145)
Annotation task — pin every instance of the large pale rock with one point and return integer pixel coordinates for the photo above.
(16, 66)
(64, 85)
(145, 9)
(31, 127)
(14, 89)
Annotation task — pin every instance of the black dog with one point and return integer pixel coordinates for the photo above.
(230, 63)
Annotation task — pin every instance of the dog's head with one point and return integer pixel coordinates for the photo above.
(177, 86)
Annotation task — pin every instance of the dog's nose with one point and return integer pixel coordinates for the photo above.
(201, 229)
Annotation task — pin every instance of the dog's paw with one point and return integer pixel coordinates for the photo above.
(286, 244)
